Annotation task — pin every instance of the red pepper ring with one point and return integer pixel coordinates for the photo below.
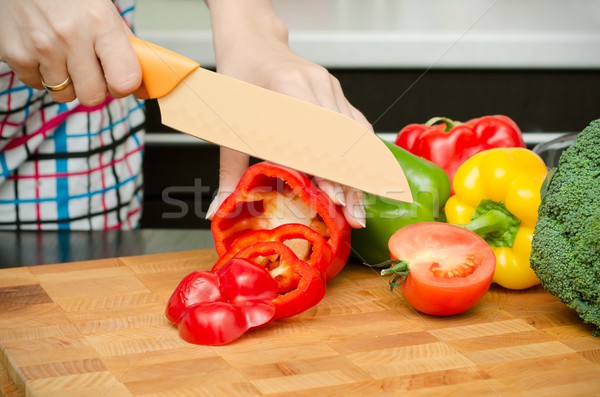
(293, 195)
(318, 252)
(301, 286)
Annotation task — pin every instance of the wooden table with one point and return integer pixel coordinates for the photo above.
(97, 328)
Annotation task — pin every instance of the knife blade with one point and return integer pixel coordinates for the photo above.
(268, 125)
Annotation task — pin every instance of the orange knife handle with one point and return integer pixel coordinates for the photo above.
(162, 69)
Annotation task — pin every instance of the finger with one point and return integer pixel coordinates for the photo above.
(53, 68)
(325, 93)
(333, 190)
(306, 94)
(15, 48)
(108, 66)
(121, 67)
(54, 73)
(47, 46)
(342, 104)
(25, 67)
(88, 78)
(232, 166)
(354, 210)
(358, 116)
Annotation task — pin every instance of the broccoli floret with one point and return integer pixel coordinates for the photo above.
(566, 242)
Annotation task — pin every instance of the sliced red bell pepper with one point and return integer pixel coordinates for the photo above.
(212, 323)
(449, 143)
(215, 308)
(300, 285)
(196, 287)
(304, 241)
(270, 195)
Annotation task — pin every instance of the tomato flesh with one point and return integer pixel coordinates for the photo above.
(450, 268)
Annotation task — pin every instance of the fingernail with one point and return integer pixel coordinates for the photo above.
(339, 194)
(334, 191)
(360, 215)
(212, 208)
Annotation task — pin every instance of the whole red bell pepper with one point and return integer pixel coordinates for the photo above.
(449, 143)
(304, 241)
(215, 308)
(270, 195)
(300, 285)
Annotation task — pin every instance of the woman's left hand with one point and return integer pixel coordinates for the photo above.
(251, 44)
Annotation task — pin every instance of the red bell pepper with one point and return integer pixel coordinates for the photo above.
(270, 195)
(449, 144)
(300, 285)
(304, 241)
(215, 308)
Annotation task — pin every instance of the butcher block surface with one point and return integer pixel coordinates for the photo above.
(97, 328)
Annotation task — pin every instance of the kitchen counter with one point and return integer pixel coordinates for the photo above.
(97, 328)
(30, 248)
(532, 34)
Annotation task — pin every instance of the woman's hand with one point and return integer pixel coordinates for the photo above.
(251, 44)
(84, 40)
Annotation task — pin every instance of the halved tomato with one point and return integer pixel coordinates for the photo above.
(449, 268)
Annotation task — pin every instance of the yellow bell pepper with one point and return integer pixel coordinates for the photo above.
(497, 195)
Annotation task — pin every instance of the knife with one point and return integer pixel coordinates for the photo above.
(268, 125)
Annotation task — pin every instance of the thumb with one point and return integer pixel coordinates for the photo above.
(232, 166)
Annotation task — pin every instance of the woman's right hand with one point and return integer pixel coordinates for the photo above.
(85, 40)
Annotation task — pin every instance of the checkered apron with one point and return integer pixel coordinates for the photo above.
(64, 166)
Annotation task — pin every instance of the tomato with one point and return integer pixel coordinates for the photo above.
(449, 268)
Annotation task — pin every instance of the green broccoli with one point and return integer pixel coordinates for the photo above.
(566, 242)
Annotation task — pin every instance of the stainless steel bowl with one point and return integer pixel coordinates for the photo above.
(550, 151)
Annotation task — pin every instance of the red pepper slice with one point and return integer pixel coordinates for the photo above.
(306, 243)
(300, 285)
(214, 308)
(212, 323)
(450, 143)
(270, 195)
(196, 287)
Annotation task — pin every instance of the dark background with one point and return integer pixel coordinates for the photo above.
(538, 100)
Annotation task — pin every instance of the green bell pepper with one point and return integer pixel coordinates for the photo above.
(430, 189)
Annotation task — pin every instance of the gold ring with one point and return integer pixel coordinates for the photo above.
(59, 87)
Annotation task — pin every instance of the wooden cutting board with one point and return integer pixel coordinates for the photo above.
(97, 329)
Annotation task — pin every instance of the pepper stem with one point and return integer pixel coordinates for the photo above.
(491, 222)
(449, 122)
(397, 267)
(494, 223)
